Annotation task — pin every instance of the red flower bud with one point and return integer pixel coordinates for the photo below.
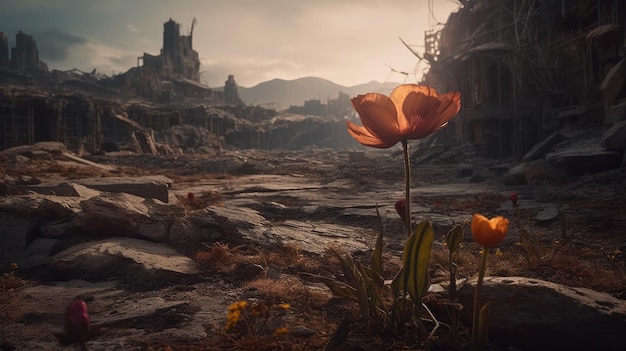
(401, 209)
(190, 196)
(514, 198)
(77, 320)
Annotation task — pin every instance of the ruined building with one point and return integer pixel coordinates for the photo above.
(138, 109)
(24, 56)
(4, 50)
(528, 68)
(171, 75)
(231, 95)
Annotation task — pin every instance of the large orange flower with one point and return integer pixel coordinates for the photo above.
(410, 112)
(489, 232)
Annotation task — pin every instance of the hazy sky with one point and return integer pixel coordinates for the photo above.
(346, 41)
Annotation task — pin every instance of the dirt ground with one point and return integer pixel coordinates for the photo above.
(591, 254)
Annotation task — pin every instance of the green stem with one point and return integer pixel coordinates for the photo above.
(477, 305)
(407, 192)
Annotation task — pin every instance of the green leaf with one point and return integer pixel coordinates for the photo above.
(416, 259)
(402, 307)
(483, 327)
(363, 297)
(376, 278)
(347, 266)
(454, 238)
(338, 288)
(375, 303)
(377, 256)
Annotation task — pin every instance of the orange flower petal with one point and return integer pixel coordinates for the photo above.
(489, 232)
(450, 106)
(379, 117)
(366, 138)
(410, 112)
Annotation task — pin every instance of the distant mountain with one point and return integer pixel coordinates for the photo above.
(280, 93)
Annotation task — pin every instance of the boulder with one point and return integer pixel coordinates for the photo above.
(122, 214)
(541, 149)
(615, 137)
(53, 148)
(532, 172)
(149, 187)
(41, 208)
(587, 159)
(144, 263)
(154, 187)
(58, 189)
(15, 235)
(532, 314)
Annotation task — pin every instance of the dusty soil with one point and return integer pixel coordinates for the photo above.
(593, 256)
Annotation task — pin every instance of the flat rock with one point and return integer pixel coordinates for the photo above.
(128, 319)
(59, 189)
(154, 187)
(615, 137)
(542, 148)
(143, 262)
(585, 160)
(317, 237)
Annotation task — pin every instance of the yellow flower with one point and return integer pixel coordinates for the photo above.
(410, 112)
(489, 232)
(281, 331)
(232, 318)
(234, 313)
(236, 306)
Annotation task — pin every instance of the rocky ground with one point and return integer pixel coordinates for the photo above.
(259, 219)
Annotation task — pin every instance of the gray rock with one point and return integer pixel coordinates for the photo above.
(140, 261)
(59, 189)
(41, 155)
(193, 230)
(533, 172)
(15, 235)
(464, 170)
(533, 314)
(155, 187)
(547, 214)
(38, 253)
(148, 187)
(122, 214)
(617, 112)
(316, 237)
(41, 207)
(541, 149)
(51, 147)
(615, 137)
(585, 160)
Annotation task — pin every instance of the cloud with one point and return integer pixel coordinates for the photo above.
(132, 28)
(86, 54)
(55, 44)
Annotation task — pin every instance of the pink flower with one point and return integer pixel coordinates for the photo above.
(77, 320)
(513, 198)
(401, 208)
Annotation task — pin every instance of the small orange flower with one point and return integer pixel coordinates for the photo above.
(489, 232)
(410, 112)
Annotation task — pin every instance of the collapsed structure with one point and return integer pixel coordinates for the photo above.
(87, 110)
(528, 68)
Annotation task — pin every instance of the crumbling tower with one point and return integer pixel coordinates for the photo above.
(4, 50)
(231, 96)
(180, 59)
(25, 56)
